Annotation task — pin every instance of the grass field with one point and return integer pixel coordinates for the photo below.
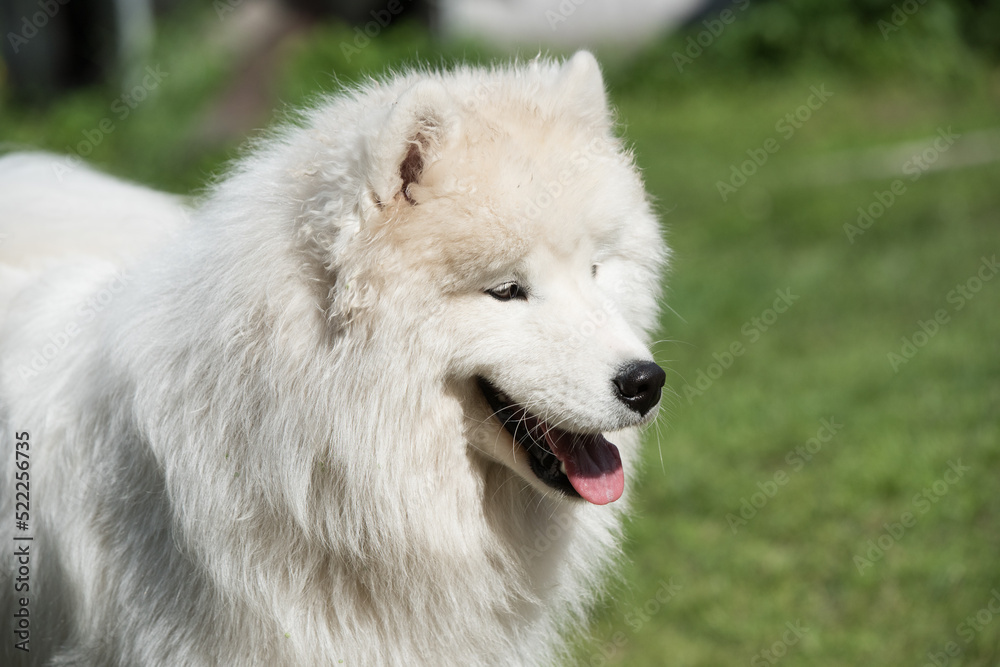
(744, 505)
(821, 488)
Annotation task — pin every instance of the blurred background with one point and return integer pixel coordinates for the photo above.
(823, 484)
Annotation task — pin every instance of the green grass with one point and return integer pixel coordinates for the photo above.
(824, 358)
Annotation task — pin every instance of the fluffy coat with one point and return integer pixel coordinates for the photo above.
(255, 434)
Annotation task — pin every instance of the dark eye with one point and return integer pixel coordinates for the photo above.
(507, 291)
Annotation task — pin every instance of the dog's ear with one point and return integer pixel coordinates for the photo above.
(418, 126)
(582, 86)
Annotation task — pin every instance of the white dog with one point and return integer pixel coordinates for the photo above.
(358, 410)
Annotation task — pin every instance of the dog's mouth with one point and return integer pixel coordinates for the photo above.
(581, 465)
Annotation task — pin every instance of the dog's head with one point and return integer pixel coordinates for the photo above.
(520, 230)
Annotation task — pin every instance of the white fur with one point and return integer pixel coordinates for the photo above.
(259, 440)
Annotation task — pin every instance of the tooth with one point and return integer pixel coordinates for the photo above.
(562, 467)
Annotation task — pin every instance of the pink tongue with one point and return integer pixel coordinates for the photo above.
(593, 464)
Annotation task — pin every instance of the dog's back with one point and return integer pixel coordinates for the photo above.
(55, 207)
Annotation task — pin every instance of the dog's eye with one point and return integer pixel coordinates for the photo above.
(507, 291)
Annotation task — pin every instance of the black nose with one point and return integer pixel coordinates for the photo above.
(639, 384)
